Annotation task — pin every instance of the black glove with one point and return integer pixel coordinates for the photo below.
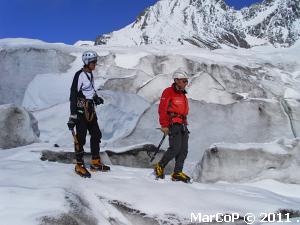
(98, 100)
(72, 122)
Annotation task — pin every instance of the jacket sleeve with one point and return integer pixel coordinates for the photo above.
(73, 95)
(164, 118)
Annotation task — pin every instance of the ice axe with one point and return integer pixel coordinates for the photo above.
(77, 147)
(75, 140)
(158, 147)
(71, 126)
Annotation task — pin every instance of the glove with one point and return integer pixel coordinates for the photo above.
(72, 122)
(165, 130)
(98, 100)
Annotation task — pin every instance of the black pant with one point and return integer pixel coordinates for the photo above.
(178, 142)
(81, 130)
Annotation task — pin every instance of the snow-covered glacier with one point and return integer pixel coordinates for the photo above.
(236, 96)
(246, 102)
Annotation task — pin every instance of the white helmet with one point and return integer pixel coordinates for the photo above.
(180, 74)
(89, 56)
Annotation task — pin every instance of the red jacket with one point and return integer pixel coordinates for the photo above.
(173, 107)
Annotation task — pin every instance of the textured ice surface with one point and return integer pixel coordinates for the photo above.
(247, 121)
(17, 127)
(19, 65)
(279, 160)
(232, 100)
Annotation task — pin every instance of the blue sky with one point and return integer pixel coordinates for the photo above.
(71, 20)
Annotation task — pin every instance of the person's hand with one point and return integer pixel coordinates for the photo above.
(98, 100)
(165, 130)
(72, 122)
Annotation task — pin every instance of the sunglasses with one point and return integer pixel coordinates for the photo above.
(184, 80)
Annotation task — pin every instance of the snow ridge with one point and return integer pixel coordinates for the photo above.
(211, 24)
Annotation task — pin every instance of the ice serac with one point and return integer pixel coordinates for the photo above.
(211, 24)
(21, 60)
(234, 102)
(236, 95)
(252, 121)
(279, 160)
(17, 127)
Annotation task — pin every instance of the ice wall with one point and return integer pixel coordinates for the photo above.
(279, 160)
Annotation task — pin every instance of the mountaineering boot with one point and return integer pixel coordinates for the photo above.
(81, 170)
(96, 165)
(159, 171)
(181, 177)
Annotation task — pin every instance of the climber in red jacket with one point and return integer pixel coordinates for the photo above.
(173, 111)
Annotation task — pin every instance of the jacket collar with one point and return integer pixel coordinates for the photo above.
(178, 91)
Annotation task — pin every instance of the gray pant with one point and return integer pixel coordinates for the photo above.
(178, 147)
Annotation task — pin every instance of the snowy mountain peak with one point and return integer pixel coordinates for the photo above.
(211, 24)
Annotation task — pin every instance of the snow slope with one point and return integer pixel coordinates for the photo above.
(210, 24)
(43, 191)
